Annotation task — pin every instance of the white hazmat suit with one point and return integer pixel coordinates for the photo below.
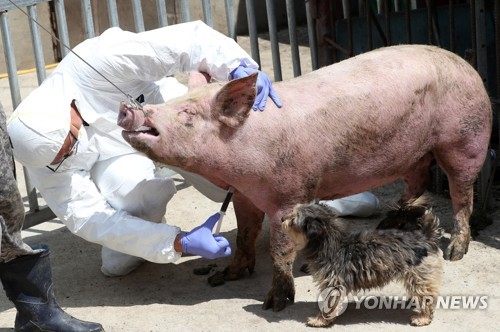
(107, 192)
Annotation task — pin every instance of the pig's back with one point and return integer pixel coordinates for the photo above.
(385, 72)
(386, 88)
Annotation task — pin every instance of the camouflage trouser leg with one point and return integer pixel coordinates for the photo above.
(11, 204)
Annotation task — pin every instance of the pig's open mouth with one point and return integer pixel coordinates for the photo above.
(142, 131)
(148, 131)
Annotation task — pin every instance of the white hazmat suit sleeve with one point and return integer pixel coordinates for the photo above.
(124, 56)
(75, 199)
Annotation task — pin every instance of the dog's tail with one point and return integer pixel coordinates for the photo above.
(415, 215)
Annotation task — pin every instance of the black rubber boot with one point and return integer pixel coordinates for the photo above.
(27, 280)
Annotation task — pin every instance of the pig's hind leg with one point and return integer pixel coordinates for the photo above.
(462, 170)
(249, 219)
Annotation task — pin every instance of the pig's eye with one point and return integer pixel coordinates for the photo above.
(186, 115)
(189, 110)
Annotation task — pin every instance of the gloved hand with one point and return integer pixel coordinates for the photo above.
(264, 87)
(201, 242)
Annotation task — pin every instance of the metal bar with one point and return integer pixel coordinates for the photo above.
(429, 23)
(273, 36)
(377, 26)
(397, 8)
(433, 21)
(323, 15)
(62, 26)
(294, 44)
(451, 13)
(88, 21)
(37, 44)
(408, 22)
(207, 13)
(331, 51)
(185, 11)
(349, 31)
(497, 46)
(482, 69)
(10, 60)
(138, 17)
(231, 25)
(252, 30)
(387, 22)
(161, 7)
(311, 33)
(369, 38)
(473, 60)
(113, 14)
(346, 8)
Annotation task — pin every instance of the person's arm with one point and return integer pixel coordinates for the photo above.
(196, 46)
(151, 55)
(74, 198)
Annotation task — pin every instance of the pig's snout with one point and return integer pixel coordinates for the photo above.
(130, 118)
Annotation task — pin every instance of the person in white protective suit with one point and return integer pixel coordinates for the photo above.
(97, 184)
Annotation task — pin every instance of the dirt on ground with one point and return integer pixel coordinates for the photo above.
(172, 297)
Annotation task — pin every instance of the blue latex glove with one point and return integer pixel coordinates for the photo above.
(201, 242)
(264, 87)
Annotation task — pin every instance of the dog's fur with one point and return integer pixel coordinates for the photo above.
(370, 259)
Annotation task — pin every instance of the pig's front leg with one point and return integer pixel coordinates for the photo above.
(249, 219)
(283, 256)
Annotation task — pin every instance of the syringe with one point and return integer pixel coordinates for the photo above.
(223, 209)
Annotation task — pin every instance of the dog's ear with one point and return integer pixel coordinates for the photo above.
(313, 228)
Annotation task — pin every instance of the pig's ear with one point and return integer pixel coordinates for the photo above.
(197, 79)
(235, 100)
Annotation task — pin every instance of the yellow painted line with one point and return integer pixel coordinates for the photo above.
(27, 71)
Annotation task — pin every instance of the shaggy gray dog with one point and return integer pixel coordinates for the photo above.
(364, 260)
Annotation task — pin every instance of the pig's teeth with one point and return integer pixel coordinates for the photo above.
(144, 128)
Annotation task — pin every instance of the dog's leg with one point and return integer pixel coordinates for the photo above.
(426, 310)
(334, 305)
(319, 321)
(423, 283)
(249, 219)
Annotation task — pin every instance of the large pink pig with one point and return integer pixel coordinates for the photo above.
(343, 129)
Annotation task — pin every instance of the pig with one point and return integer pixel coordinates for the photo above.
(346, 128)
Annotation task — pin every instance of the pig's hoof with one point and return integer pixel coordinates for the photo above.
(278, 296)
(456, 249)
(234, 274)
